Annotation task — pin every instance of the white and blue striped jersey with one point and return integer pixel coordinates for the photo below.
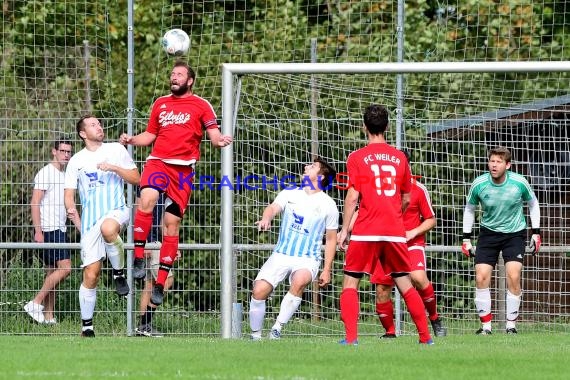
(305, 217)
(100, 192)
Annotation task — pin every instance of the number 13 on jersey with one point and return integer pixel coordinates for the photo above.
(384, 179)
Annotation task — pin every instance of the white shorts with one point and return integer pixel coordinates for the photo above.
(92, 243)
(279, 266)
(152, 262)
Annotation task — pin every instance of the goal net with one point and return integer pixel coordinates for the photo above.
(282, 120)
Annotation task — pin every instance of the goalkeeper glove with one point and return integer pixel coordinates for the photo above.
(535, 242)
(467, 248)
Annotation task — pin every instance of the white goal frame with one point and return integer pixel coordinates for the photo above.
(229, 70)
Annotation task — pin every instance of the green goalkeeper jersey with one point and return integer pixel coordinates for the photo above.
(502, 204)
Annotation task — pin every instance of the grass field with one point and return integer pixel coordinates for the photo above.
(500, 356)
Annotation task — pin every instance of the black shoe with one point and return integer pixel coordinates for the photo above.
(88, 333)
(388, 336)
(157, 295)
(139, 271)
(511, 330)
(483, 331)
(121, 286)
(148, 330)
(438, 328)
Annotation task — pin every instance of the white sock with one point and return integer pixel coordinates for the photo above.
(115, 253)
(256, 315)
(289, 306)
(483, 305)
(513, 305)
(87, 299)
(483, 301)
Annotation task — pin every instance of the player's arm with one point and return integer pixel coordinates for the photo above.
(330, 251)
(69, 201)
(268, 214)
(350, 202)
(142, 139)
(131, 176)
(468, 221)
(217, 139)
(534, 209)
(37, 196)
(425, 226)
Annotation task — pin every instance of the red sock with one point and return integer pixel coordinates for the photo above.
(417, 312)
(168, 252)
(143, 224)
(430, 302)
(486, 318)
(385, 311)
(349, 311)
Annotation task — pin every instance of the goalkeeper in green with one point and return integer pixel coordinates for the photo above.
(501, 194)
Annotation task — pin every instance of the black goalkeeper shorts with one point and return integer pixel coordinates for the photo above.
(491, 243)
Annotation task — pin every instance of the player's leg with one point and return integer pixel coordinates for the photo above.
(114, 248)
(143, 220)
(361, 258)
(272, 272)
(489, 245)
(384, 306)
(395, 261)
(88, 297)
(385, 310)
(146, 307)
(513, 253)
(425, 288)
(483, 296)
(168, 251)
(302, 274)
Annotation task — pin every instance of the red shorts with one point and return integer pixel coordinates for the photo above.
(417, 257)
(364, 257)
(174, 180)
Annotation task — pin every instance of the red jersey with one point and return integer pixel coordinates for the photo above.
(179, 124)
(380, 173)
(418, 210)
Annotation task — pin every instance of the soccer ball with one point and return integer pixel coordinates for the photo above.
(176, 42)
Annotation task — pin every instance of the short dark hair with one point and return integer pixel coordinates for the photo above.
(327, 171)
(61, 140)
(502, 152)
(80, 125)
(191, 73)
(376, 119)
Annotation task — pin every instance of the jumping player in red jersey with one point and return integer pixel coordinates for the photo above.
(176, 127)
(419, 218)
(380, 179)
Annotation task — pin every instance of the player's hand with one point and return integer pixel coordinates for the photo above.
(125, 139)
(535, 243)
(325, 278)
(342, 240)
(225, 140)
(263, 225)
(467, 248)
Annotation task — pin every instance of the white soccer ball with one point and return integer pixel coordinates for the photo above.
(176, 42)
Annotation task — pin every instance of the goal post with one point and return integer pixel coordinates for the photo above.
(233, 73)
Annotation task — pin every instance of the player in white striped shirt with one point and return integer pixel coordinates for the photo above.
(98, 172)
(308, 215)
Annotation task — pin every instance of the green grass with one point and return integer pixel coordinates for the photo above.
(526, 356)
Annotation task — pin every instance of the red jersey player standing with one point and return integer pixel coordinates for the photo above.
(380, 179)
(419, 218)
(175, 126)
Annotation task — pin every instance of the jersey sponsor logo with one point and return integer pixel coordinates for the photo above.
(94, 180)
(167, 118)
(297, 225)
